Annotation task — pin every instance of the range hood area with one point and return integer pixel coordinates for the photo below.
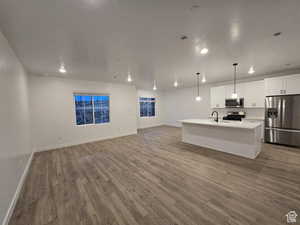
(234, 103)
(219, 95)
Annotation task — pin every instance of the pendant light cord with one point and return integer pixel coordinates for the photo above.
(234, 82)
(198, 75)
(235, 79)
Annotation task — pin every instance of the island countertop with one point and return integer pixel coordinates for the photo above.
(231, 124)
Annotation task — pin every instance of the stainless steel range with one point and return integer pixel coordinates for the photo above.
(282, 120)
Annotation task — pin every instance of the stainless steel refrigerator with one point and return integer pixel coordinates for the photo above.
(282, 120)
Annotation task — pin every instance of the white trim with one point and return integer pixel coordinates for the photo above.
(173, 124)
(18, 191)
(152, 125)
(91, 94)
(68, 144)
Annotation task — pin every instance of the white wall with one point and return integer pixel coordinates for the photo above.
(144, 122)
(53, 119)
(14, 125)
(180, 104)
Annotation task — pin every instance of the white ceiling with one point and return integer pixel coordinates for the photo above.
(103, 39)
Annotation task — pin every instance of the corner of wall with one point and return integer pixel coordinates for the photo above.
(18, 191)
(15, 123)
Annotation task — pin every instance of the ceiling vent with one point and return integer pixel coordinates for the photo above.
(277, 34)
(183, 37)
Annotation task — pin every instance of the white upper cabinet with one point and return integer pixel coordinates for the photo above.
(292, 85)
(240, 90)
(274, 86)
(217, 97)
(228, 91)
(287, 85)
(254, 94)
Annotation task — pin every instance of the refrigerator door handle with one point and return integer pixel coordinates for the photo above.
(286, 130)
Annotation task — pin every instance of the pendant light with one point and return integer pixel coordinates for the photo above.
(204, 51)
(154, 86)
(62, 68)
(198, 97)
(129, 78)
(234, 94)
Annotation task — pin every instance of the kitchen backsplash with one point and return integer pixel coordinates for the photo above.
(250, 113)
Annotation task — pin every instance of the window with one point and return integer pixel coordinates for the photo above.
(91, 109)
(147, 107)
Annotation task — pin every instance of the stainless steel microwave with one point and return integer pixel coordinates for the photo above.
(234, 103)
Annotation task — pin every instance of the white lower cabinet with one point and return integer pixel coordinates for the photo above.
(262, 121)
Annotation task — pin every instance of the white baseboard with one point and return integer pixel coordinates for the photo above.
(175, 124)
(149, 126)
(18, 191)
(69, 144)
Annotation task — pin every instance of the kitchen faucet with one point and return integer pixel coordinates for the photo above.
(217, 118)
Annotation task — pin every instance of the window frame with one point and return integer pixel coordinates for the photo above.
(149, 100)
(93, 106)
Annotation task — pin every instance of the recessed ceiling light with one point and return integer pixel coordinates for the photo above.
(288, 64)
(235, 31)
(62, 69)
(198, 98)
(251, 70)
(277, 34)
(204, 51)
(175, 83)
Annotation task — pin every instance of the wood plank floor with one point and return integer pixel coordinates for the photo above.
(154, 179)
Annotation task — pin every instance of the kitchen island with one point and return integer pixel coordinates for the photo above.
(234, 137)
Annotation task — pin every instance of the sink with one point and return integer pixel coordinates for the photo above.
(224, 121)
(232, 121)
(220, 121)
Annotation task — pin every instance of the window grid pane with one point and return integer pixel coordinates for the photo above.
(79, 107)
(88, 109)
(147, 107)
(91, 109)
(101, 107)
